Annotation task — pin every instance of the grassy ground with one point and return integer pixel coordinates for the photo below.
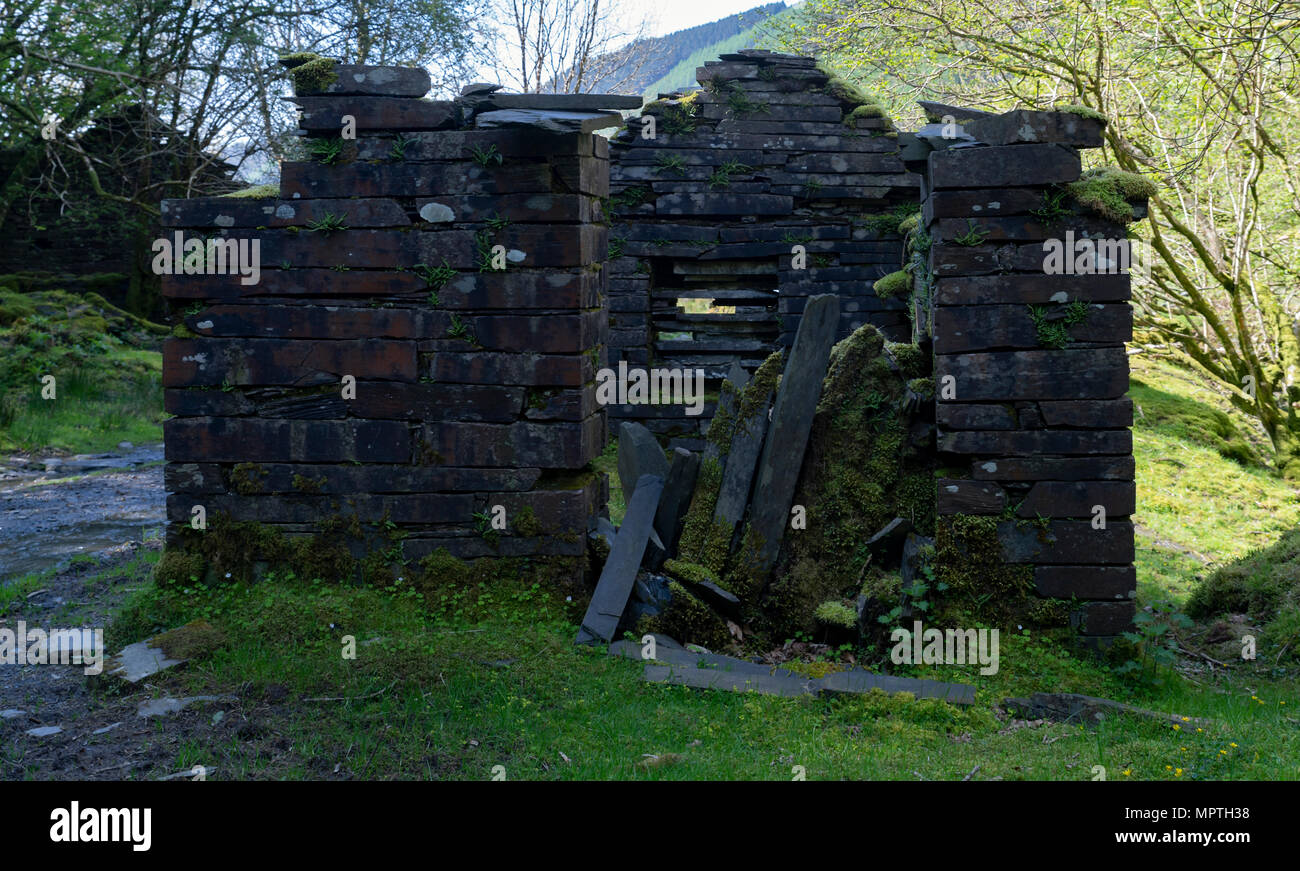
(433, 696)
(454, 694)
(106, 366)
(1198, 508)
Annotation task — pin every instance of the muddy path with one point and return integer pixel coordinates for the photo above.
(53, 508)
(58, 723)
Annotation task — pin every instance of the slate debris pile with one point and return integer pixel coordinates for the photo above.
(771, 153)
(473, 384)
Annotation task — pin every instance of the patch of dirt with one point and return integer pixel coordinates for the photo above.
(129, 747)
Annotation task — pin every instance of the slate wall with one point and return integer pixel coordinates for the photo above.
(766, 156)
(474, 386)
(1038, 433)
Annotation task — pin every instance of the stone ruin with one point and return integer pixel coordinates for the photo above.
(920, 420)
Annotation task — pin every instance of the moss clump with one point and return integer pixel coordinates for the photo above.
(982, 588)
(313, 75)
(846, 92)
(180, 331)
(1110, 192)
(923, 387)
(766, 380)
(860, 471)
(836, 612)
(892, 285)
(246, 479)
(195, 639)
(910, 359)
(869, 110)
(308, 485)
(526, 522)
(256, 192)
(179, 567)
(688, 621)
(703, 541)
(297, 58)
(1084, 111)
(1261, 584)
(693, 572)
(237, 551)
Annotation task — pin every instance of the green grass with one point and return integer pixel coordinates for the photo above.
(106, 366)
(1202, 508)
(440, 696)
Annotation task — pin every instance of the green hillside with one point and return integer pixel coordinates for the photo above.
(682, 74)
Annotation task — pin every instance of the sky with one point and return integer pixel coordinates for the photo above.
(673, 15)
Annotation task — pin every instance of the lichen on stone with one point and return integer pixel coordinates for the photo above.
(256, 192)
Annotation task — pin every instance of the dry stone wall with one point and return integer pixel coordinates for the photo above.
(1030, 364)
(420, 346)
(710, 193)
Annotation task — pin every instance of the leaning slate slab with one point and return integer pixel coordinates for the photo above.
(732, 385)
(738, 473)
(638, 454)
(624, 560)
(676, 498)
(787, 437)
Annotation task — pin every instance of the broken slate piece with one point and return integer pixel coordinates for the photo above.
(676, 497)
(160, 707)
(619, 574)
(638, 454)
(44, 731)
(138, 661)
(887, 544)
(717, 679)
(552, 122)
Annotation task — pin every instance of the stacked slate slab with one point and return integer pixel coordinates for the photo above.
(474, 386)
(1042, 430)
(764, 157)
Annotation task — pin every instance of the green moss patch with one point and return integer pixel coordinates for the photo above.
(1083, 111)
(256, 192)
(981, 587)
(312, 75)
(892, 285)
(194, 640)
(688, 620)
(1111, 192)
(860, 471)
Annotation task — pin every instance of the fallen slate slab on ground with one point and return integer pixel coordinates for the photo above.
(672, 664)
(138, 661)
(1076, 708)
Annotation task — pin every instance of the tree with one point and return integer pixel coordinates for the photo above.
(1201, 100)
(568, 46)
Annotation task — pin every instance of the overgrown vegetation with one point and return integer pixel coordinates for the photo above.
(105, 367)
